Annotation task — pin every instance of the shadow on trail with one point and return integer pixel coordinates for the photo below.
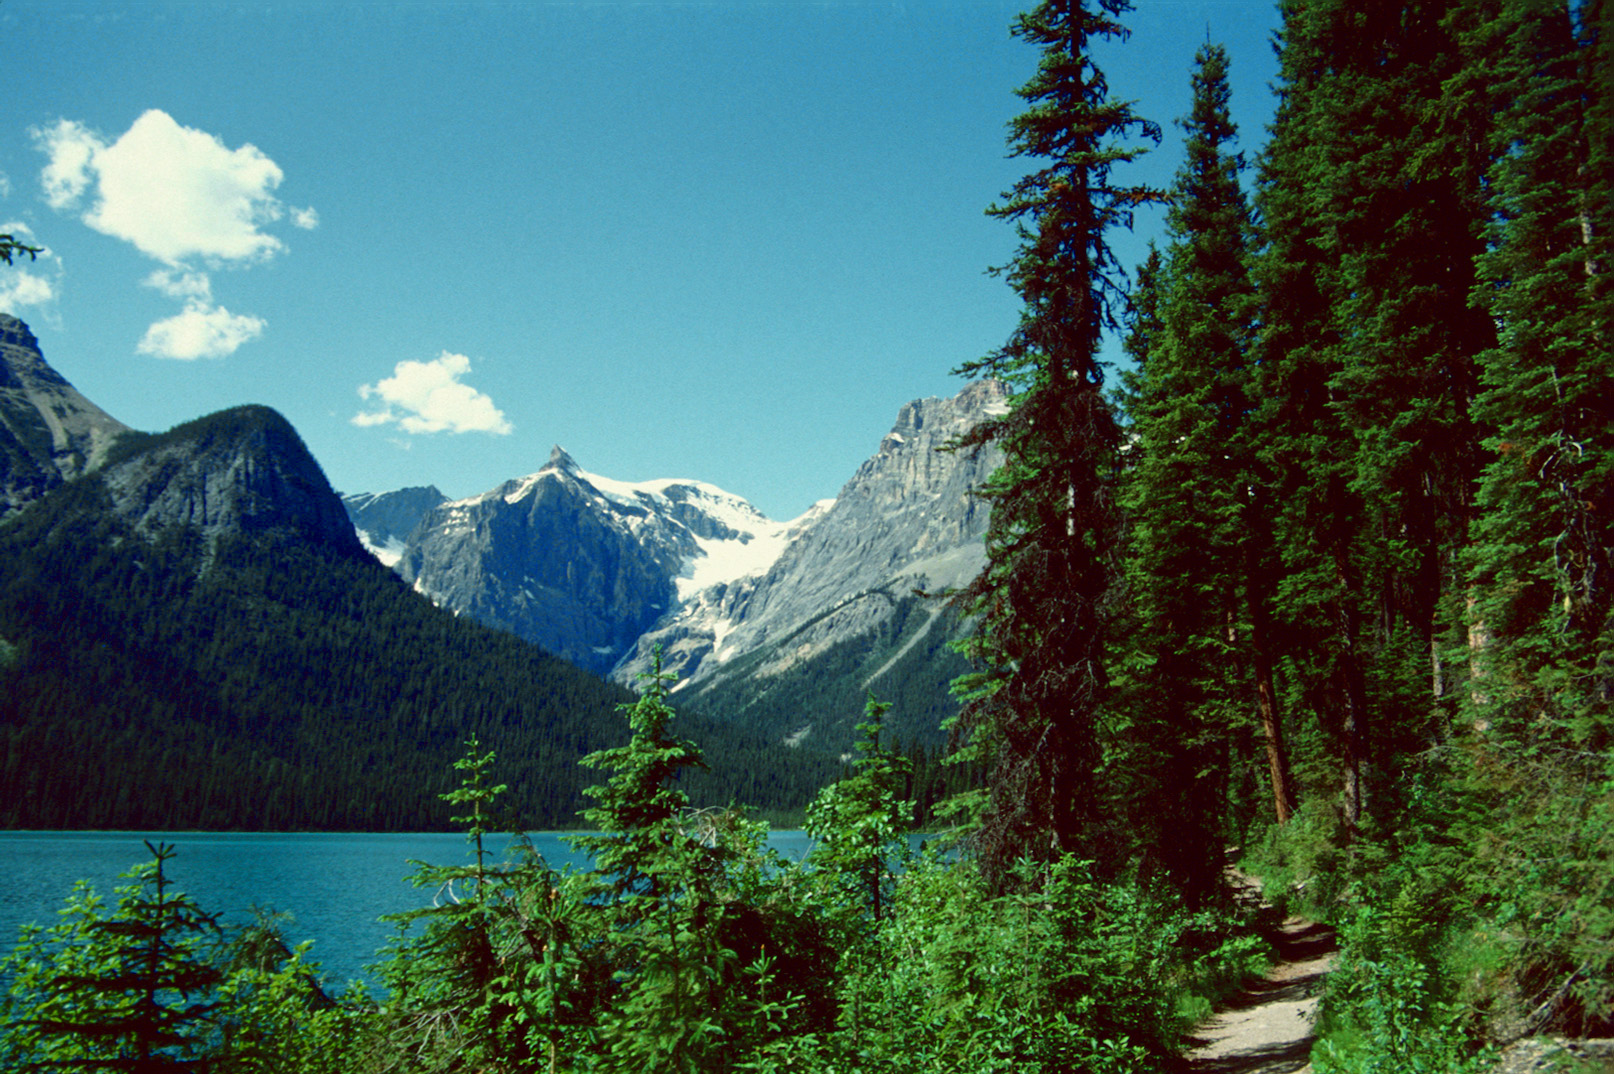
(1248, 1047)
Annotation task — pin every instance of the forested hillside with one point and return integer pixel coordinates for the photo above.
(263, 679)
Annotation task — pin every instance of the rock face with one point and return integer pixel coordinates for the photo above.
(601, 571)
(49, 433)
(241, 470)
(906, 520)
(384, 520)
(578, 563)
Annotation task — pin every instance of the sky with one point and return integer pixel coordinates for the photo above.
(721, 240)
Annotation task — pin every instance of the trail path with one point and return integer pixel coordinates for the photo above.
(1267, 1028)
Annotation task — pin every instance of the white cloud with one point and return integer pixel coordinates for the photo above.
(20, 288)
(428, 397)
(5, 185)
(71, 147)
(173, 192)
(181, 197)
(202, 331)
(23, 284)
(180, 284)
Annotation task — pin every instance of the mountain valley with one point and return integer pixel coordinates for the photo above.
(785, 625)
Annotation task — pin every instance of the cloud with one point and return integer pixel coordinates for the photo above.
(21, 288)
(71, 147)
(23, 284)
(181, 197)
(428, 397)
(180, 284)
(173, 192)
(202, 331)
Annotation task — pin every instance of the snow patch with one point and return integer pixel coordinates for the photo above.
(388, 552)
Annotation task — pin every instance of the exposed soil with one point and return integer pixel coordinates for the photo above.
(1268, 1028)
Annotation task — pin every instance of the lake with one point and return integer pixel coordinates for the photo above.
(336, 886)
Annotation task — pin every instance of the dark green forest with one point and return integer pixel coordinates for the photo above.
(263, 681)
(1320, 588)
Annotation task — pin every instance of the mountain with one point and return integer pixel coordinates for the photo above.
(601, 572)
(794, 651)
(906, 520)
(581, 564)
(240, 471)
(385, 519)
(192, 636)
(49, 433)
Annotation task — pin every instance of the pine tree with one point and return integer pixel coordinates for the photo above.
(477, 981)
(1043, 599)
(1544, 551)
(1539, 707)
(1195, 547)
(134, 992)
(656, 880)
(1372, 218)
(861, 823)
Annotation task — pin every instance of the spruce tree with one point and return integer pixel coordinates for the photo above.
(1370, 199)
(657, 881)
(1543, 559)
(1196, 550)
(136, 991)
(861, 824)
(1539, 705)
(1043, 600)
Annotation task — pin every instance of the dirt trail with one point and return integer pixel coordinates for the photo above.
(1267, 1028)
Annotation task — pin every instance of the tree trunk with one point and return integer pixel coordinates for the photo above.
(1257, 591)
(1283, 795)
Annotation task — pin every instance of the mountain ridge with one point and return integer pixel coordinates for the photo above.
(608, 573)
(193, 636)
(49, 432)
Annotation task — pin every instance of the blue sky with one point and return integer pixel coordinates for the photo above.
(721, 240)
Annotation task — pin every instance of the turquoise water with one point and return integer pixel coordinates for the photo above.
(336, 886)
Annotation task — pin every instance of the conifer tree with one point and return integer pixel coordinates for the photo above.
(135, 994)
(456, 980)
(1196, 547)
(861, 822)
(1370, 202)
(1543, 561)
(657, 882)
(1043, 599)
(1539, 707)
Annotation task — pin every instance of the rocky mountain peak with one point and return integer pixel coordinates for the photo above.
(19, 352)
(49, 433)
(241, 470)
(561, 462)
(908, 518)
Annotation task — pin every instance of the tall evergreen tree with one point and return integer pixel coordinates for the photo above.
(1371, 205)
(1043, 598)
(1540, 706)
(1197, 561)
(1543, 561)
